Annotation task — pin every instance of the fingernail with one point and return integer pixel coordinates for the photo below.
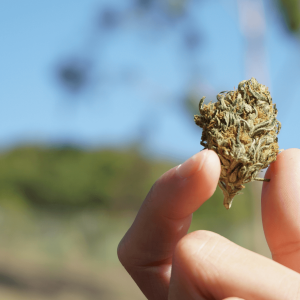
(192, 165)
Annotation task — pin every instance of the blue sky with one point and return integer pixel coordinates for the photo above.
(139, 78)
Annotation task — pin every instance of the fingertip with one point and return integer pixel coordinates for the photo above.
(203, 160)
(182, 190)
(283, 175)
(281, 168)
(211, 172)
(192, 165)
(213, 163)
(209, 175)
(193, 182)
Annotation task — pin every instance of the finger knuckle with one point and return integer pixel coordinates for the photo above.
(196, 245)
(122, 252)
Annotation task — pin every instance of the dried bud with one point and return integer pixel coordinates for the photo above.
(241, 127)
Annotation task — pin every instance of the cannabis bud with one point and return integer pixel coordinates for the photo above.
(241, 127)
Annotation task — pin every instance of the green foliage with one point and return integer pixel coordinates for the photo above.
(212, 212)
(72, 179)
(291, 12)
(66, 179)
(69, 178)
(103, 189)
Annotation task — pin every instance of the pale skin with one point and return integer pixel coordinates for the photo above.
(167, 263)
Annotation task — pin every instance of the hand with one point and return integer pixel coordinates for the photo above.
(166, 263)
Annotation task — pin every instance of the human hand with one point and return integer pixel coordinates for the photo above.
(166, 263)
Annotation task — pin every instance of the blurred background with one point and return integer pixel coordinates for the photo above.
(97, 99)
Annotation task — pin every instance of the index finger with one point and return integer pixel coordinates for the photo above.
(164, 218)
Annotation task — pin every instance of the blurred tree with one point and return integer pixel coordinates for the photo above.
(291, 13)
(109, 18)
(68, 179)
(74, 74)
(160, 16)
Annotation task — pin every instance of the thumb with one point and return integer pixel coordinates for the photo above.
(281, 209)
(208, 266)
